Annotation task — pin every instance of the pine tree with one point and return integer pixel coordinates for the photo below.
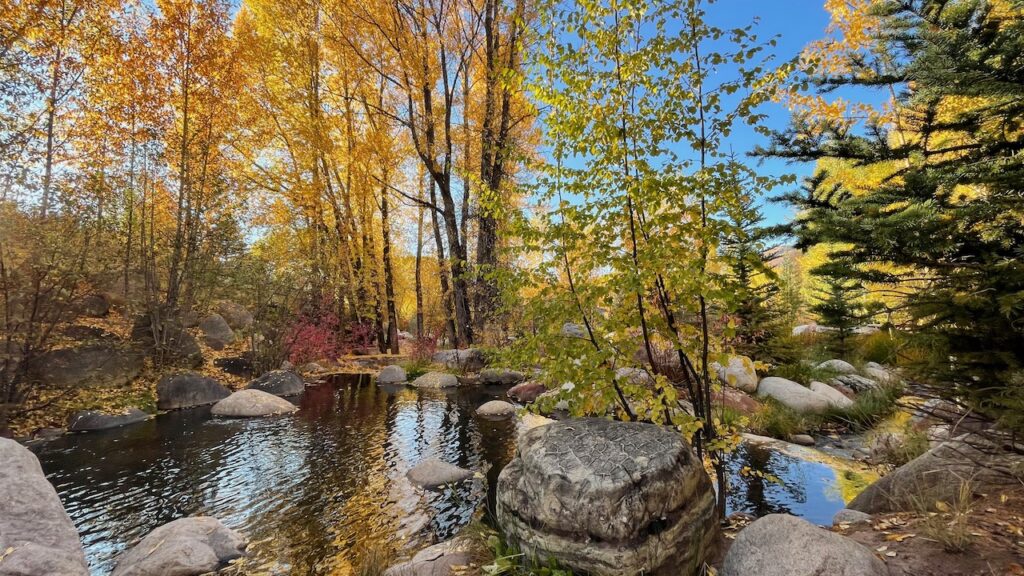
(839, 307)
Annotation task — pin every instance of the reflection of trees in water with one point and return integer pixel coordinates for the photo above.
(774, 490)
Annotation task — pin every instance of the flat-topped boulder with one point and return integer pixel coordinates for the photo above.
(252, 403)
(184, 547)
(784, 545)
(792, 395)
(607, 497)
(36, 536)
(188, 390)
(91, 420)
(739, 373)
(393, 374)
(496, 409)
(501, 376)
(436, 380)
(279, 383)
(432, 473)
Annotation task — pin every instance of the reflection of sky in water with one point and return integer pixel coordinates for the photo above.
(312, 489)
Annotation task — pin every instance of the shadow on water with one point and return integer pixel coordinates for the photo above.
(310, 488)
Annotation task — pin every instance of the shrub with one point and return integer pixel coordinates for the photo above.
(881, 347)
(777, 420)
(803, 373)
(313, 336)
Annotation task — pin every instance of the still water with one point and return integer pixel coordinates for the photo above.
(312, 489)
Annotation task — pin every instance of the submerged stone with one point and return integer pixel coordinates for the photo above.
(432, 473)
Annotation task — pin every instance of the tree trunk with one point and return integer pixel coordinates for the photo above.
(389, 282)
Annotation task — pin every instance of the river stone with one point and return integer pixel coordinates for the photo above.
(436, 380)
(938, 474)
(783, 545)
(610, 498)
(88, 366)
(89, 420)
(835, 398)
(432, 473)
(876, 371)
(854, 382)
(847, 516)
(393, 374)
(739, 373)
(237, 317)
(838, 366)
(251, 403)
(216, 332)
(185, 547)
(167, 340)
(793, 395)
(501, 376)
(279, 383)
(188, 390)
(526, 392)
(33, 524)
(496, 409)
(437, 560)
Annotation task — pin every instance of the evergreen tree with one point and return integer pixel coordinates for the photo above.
(945, 225)
(839, 307)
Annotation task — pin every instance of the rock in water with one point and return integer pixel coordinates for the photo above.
(432, 473)
(185, 547)
(436, 560)
(188, 390)
(610, 498)
(33, 525)
(501, 376)
(252, 403)
(393, 374)
(496, 409)
(279, 383)
(793, 395)
(783, 545)
(835, 398)
(90, 420)
(216, 332)
(436, 380)
(739, 373)
(526, 392)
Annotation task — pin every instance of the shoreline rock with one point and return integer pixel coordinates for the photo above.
(93, 420)
(184, 547)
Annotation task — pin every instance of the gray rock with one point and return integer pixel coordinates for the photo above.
(854, 382)
(393, 374)
(33, 524)
(847, 516)
(235, 315)
(501, 376)
(216, 332)
(635, 376)
(279, 383)
(607, 497)
(436, 380)
(167, 340)
(95, 305)
(241, 365)
(469, 359)
(783, 545)
(252, 403)
(185, 547)
(187, 390)
(87, 366)
(802, 439)
(838, 366)
(496, 409)
(811, 329)
(880, 373)
(436, 560)
(835, 398)
(572, 330)
(89, 420)
(432, 473)
(793, 395)
(739, 373)
(88, 333)
(938, 475)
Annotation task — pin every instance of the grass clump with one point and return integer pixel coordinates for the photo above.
(947, 523)
(496, 556)
(416, 368)
(777, 420)
(869, 408)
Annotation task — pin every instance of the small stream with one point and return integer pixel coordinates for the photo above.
(312, 489)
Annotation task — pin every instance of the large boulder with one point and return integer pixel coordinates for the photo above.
(739, 373)
(95, 305)
(469, 359)
(939, 474)
(185, 547)
(436, 380)
(167, 340)
(792, 395)
(526, 392)
(91, 420)
(496, 409)
(432, 473)
(235, 315)
(216, 332)
(36, 536)
(187, 390)
(835, 398)
(607, 497)
(241, 365)
(838, 366)
(440, 559)
(393, 374)
(501, 376)
(880, 373)
(251, 404)
(279, 383)
(783, 545)
(88, 366)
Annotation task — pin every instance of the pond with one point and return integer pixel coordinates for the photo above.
(312, 489)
